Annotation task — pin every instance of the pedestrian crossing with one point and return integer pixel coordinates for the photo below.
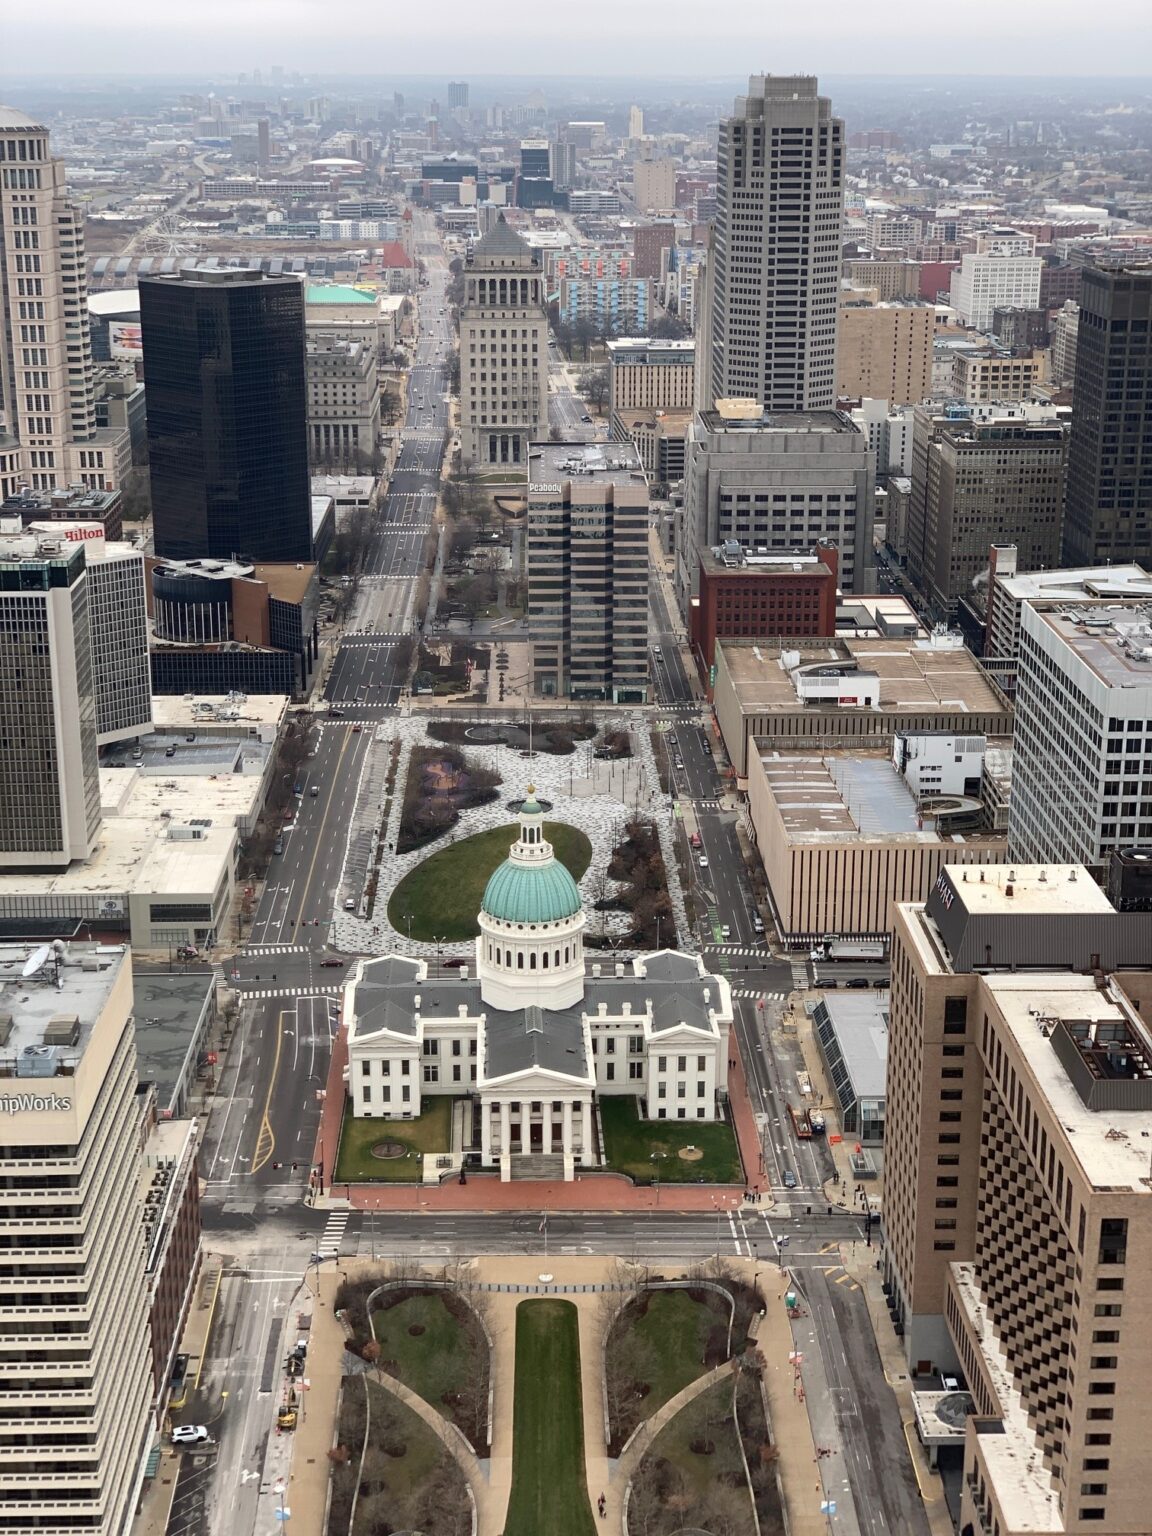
(333, 1235)
(737, 952)
(769, 997)
(261, 994)
(278, 949)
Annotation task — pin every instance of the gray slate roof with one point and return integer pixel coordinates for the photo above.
(522, 1038)
(501, 240)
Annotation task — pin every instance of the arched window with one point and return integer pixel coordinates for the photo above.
(519, 959)
(508, 958)
(557, 957)
(532, 961)
(565, 954)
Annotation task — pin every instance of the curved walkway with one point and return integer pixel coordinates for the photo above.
(454, 1440)
(625, 1469)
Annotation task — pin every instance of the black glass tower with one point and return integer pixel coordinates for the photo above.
(224, 368)
(1108, 503)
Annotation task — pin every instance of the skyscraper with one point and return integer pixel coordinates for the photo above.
(503, 350)
(74, 1359)
(224, 362)
(1018, 1115)
(47, 394)
(776, 257)
(1109, 509)
(49, 774)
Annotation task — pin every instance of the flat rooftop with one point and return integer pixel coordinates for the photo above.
(721, 419)
(743, 560)
(860, 1023)
(1131, 583)
(69, 980)
(916, 675)
(173, 712)
(1037, 888)
(1110, 1145)
(1114, 640)
(596, 463)
(169, 1008)
(839, 797)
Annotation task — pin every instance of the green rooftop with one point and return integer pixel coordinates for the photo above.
(337, 293)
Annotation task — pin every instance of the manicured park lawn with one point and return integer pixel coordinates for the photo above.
(549, 1491)
(429, 1132)
(630, 1143)
(444, 892)
(442, 1361)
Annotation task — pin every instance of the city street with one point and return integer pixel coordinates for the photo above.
(261, 1133)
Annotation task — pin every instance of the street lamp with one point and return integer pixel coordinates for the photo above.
(408, 920)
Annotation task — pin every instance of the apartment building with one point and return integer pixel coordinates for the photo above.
(994, 278)
(613, 306)
(588, 572)
(49, 775)
(892, 279)
(47, 385)
(1016, 1221)
(1080, 785)
(778, 481)
(776, 248)
(343, 401)
(74, 1349)
(503, 350)
(885, 351)
(1065, 331)
(643, 372)
(982, 475)
(989, 376)
(654, 184)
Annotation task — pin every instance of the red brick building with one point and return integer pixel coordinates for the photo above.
(749, 596)
(649, 242)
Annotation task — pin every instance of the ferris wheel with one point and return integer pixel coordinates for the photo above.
(170, 236)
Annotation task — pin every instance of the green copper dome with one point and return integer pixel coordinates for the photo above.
(523, 893)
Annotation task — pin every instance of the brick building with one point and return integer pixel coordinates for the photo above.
(744, 594)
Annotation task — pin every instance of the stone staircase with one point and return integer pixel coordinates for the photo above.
(538, 1165)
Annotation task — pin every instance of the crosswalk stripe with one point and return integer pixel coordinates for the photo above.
(262, 993)
(771, 997)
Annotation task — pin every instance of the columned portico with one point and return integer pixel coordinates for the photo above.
(544, 1120)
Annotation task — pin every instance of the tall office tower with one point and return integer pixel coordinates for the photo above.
(503, 350)
(635, 122)
(776, 279)
(1109, 513)
(74, 1359)
(47, 392)
(263, 142)
(49, 775)
(1016, 1211)
(1065, 333)
(1080, 772)
(563, 164)
(457, 95)
(588, 572)
(227, 415)
(982, 478)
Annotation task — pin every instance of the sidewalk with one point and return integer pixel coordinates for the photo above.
(156, 1503)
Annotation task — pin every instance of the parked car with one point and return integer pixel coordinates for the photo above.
(856, 981)
(349, 903)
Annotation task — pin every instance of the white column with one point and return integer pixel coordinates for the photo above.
(485, 1132)
(566, 1145)
(582, 1108)
(505, 1127)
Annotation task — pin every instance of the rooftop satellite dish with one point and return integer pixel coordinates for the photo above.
(36, 960)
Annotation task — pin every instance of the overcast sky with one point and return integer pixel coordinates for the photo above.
(617, 37)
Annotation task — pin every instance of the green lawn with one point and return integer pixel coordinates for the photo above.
(429, 1132)
(438, 1362)
(629, 1143)
(672, 1335)
(411, 1488)
(549, 1490)
(444, 892)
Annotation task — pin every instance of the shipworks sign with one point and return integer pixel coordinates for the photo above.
(24, 1103)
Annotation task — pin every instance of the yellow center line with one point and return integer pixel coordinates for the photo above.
(320, 833)
(265, 1141)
